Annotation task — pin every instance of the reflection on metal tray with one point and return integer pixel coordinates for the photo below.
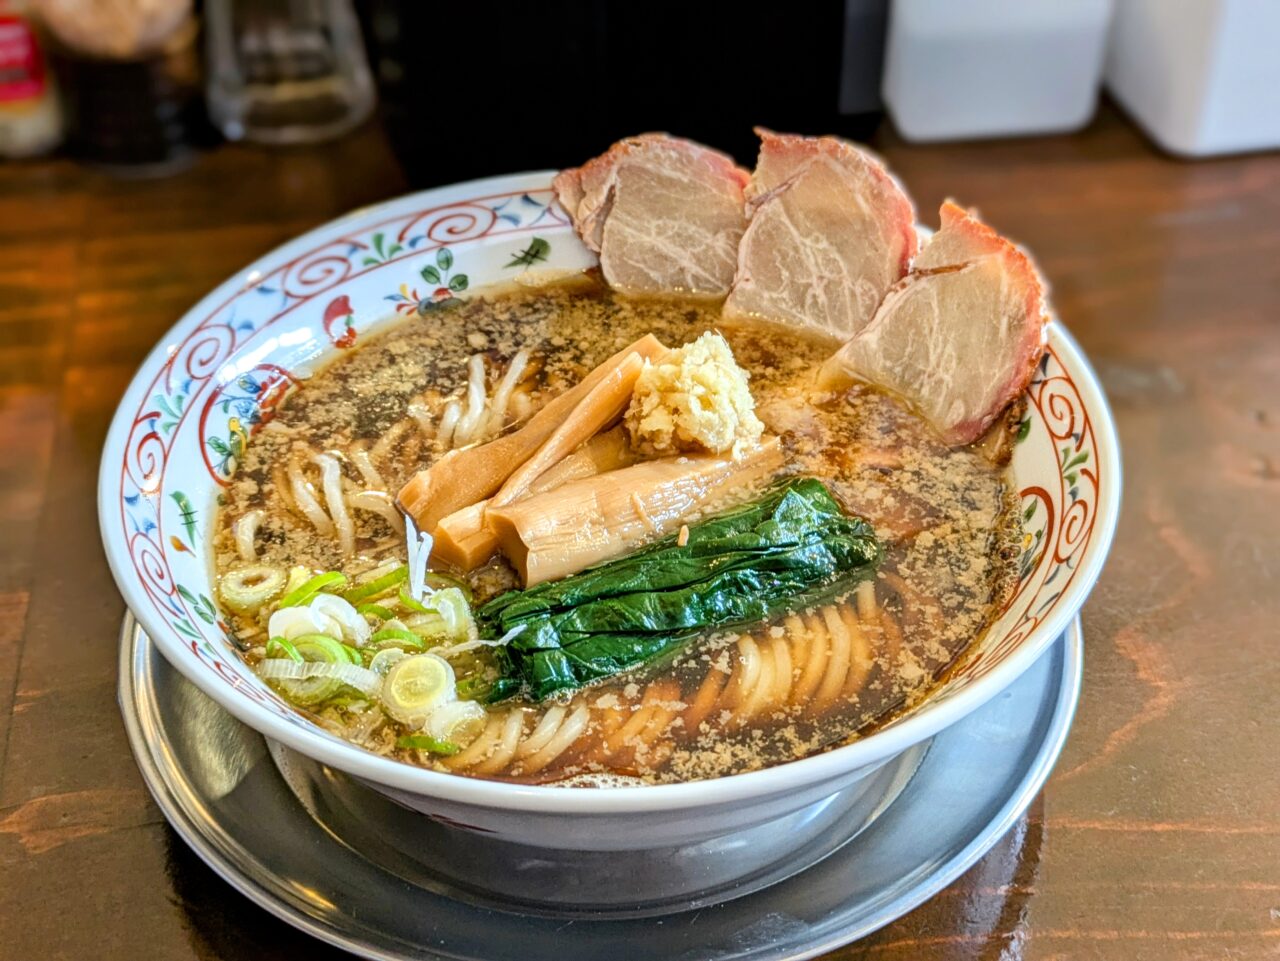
(294, 847)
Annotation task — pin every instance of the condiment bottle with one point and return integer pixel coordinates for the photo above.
(130, 75)
(30, 118)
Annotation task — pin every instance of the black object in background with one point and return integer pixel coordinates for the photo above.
(479, 89)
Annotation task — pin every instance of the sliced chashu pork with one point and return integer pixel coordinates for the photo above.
(664, 214)
(960, 337)
(829, 233)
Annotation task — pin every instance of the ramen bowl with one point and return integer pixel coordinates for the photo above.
(228, 362)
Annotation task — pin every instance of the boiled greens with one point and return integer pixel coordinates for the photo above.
(785, 551)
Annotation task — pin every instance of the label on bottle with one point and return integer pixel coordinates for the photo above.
(21, 67)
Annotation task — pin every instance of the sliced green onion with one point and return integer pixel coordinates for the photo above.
(415, 686)
(412, 603)
(448, 619)
(321, 647)
(310, 684)
(385, 659)
(378, 585)
(285, 646)
(458, 721)
(353, 655)
(425, 742)
(439, 581)
(401, 636)
(301, 595)
(377, 610)
(246, 589)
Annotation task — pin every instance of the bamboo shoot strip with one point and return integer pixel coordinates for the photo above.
(599, 407)
(462, 477)
(786, 551)
(569, 528)
(465, 541)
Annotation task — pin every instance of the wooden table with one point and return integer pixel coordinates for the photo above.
(1158, 836)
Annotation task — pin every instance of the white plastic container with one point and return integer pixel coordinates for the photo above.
(1202, 77)
(993, 68)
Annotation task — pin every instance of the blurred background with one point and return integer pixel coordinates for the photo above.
(138, 87)
(149, 149)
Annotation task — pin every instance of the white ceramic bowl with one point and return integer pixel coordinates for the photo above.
(239, 349)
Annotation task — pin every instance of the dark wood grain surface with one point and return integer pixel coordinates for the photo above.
(1157, 838)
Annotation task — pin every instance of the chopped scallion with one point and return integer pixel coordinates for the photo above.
(284, 646)
(377, 610)
(301, 595)
(425, 742)
(321, 647)
(379, 585)
(399, 635)
(439, 582)
(414, 605)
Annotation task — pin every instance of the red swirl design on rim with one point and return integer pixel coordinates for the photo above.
(456, 224)
(1077, 523)
(1062, 410)
(202, 354)
(1057, 402)
(317, 272)
(150, 562)
(146, 454)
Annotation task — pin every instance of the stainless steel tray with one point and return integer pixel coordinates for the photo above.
(216, 782)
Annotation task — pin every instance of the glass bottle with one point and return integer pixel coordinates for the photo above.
(286, 71)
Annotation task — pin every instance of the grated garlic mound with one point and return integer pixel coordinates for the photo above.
(694, 398)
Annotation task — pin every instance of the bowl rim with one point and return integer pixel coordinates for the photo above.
(780, 778)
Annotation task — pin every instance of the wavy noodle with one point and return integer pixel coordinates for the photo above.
(364, 464)
(380, 503)
(502, 393)
(280, 482)
(331, 484)
(390, 440)
(757, 694)
(480, 748)
(543, 731)
(666, 709)
(815, 664)
(471, 423)
(420, 410)
(410, 451)
(838, 665)
(448, 423)
(916, 608)
(304, 499)
(783, 673)
(633, 725)
(505, 749)
(861, 656)
(865, 597)
(246, 531)
(891, 649)
(705, 699)
(745, 674)
(574, 726)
